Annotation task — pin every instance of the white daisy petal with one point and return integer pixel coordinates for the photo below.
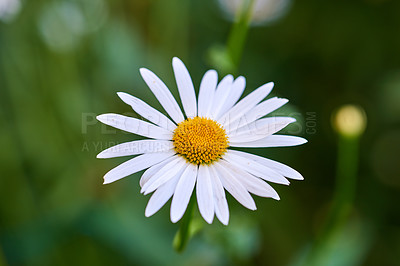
(183, 192)
(157, 171)
(147, 111)
(257, 112)
(135, 126)
(161, 196)
(204, 193)
(234, 187)
(253, 184)
(246, 104)
(153, 170)
(165, 174)
(134, 165)
(274, 165)
(185, 87)
(255, 168)
(136, 147)
(221, 94)
(259, 129)
(236, 91)
(206, 93)
(220, 202)
(271, 141)
(163, 95)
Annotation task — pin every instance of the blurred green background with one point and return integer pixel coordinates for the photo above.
(62, 62)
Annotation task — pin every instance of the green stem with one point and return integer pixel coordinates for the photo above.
(345, 180)
(226, 59)
(184, 233)
(238, 34)
(345, 190)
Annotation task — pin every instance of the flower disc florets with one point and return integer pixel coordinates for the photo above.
(200, 140)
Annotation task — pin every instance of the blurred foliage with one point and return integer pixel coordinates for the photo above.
(61, 64)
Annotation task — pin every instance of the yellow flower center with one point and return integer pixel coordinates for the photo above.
(200, 140)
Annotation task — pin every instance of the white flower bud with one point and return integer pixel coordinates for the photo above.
(350, 120)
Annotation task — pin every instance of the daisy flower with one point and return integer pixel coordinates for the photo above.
(191, 150)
